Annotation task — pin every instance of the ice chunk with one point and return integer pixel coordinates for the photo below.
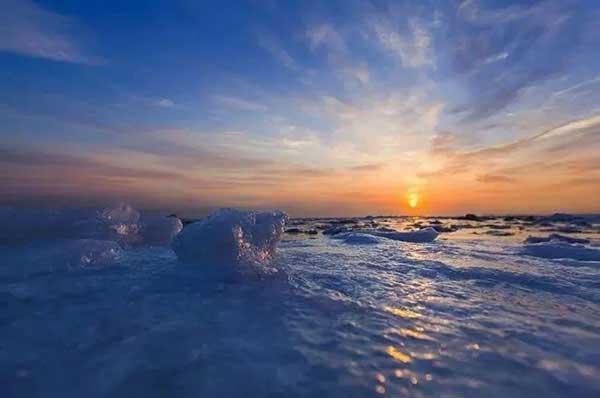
(120, 223)
(420, 236)
(355, 238)
(556, 250)
(129, 227)
(334, 230)
(229, 237)
(121, 214)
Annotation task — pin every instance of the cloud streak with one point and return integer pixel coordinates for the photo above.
(30, 30)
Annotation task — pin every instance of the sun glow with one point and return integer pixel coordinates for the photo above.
(413, 199)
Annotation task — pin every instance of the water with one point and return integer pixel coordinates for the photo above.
(469, 315)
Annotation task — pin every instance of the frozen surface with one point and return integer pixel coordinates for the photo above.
(553, 249)
(470, 314)
(419, 236)
(357, 238)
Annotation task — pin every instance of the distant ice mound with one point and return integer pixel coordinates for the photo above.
(560, 250)
(355, 238)
(230, 237)
(424, 235)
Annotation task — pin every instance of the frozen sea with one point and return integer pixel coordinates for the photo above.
(343, 309)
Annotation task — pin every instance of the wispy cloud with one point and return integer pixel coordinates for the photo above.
(515, 157)
(368, 167)
(498, 51)
(325, 35)
(165, 103)
(495, 178)
(413, 47)
(241, 103)
(27, 29)
(274, 46)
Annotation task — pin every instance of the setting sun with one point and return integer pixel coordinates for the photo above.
(413, 199)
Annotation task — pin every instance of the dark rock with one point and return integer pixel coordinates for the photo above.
(471, 217)
(499, 233)
(498, 226)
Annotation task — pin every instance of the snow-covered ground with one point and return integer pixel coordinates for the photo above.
(97, 304)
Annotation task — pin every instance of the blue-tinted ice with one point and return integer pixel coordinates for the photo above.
(96, 304)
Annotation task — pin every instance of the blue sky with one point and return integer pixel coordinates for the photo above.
(318, 107)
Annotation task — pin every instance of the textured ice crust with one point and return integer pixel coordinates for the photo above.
(355, 238)
(230, 237)
(84, 253)
(424, 235)
(559, 250)
(555, 237)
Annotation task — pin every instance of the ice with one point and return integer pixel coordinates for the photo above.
(27, 225)
(230, 237)
(561, 250)
(355, 238)
(58, 256)
(90, 317)
(122, 214)
(419, 236)
(87, 253)
(121, 223)
(159, 230)
(560, 217)
(555, 237)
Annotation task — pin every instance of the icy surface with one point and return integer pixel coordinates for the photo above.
(231, 238)
(555, 237)
(356, 238)
(468, 315)
(554, 249)
(419, 236)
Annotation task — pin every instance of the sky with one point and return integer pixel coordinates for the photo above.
(317, 108)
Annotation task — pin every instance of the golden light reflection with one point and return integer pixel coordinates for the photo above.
(414, 334)
(402, 313)
(398, 355)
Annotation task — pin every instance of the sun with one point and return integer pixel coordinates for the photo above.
(413, 199)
